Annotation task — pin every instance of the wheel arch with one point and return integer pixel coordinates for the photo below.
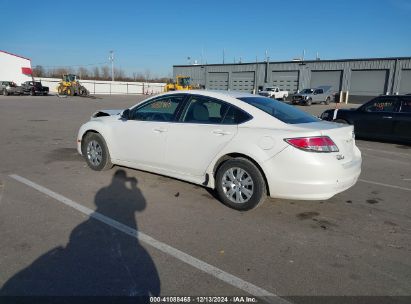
(84, 136)
(228, 156)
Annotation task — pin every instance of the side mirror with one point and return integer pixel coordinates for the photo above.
(125, 114)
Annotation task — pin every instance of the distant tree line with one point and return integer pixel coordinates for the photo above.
(97, 73)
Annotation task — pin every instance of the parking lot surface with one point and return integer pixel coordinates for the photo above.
(63, 227)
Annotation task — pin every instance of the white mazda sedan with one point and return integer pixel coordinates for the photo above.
(242, 145)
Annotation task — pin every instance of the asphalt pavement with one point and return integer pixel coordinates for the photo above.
(67, 230)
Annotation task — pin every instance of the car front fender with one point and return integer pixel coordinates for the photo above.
(95, 126)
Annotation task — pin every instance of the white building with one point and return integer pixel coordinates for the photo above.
(14, 68)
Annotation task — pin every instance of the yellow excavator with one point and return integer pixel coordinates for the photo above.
(69, 85)
(181, 83)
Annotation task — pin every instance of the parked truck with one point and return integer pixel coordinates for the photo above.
(322, 94)
(34, 88)
(10, 88)
(274, 92)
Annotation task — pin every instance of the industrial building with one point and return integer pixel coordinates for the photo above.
(14, 68)
(357, 79)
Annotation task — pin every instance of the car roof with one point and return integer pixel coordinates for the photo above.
(216, 93)
(393, 95)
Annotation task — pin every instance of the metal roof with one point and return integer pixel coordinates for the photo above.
(14, 55)
(295, 61)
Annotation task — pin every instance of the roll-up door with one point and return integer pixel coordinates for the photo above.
(217, 81)
(285, 80)
(242, 81)
(326, 78)
(368, 82)
(405, 83)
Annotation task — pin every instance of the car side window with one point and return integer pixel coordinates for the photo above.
(319, 91)
(206, 110)
(382, 105)
(161, 109)
(235, 116)
(406, 105)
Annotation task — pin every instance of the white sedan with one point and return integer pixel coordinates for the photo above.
(242, 145)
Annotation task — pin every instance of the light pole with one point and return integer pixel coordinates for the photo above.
(111, 59)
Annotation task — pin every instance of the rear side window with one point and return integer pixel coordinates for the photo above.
(280, 110)
(204, 110)
(235, 116)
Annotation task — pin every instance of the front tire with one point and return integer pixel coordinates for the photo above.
(240, 184)
(5, 93)
(327, 101)
(309, 102)
(95, 152)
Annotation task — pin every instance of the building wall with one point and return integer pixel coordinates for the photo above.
(364, 77)
(109, 87)
(10, 68)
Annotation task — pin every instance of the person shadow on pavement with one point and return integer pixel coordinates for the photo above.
(98, 260)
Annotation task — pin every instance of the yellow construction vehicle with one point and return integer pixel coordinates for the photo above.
(69, 85)
(181, 83)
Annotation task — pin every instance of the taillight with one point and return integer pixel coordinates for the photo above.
(313, 144)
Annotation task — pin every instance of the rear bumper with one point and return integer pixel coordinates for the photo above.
(296, 174)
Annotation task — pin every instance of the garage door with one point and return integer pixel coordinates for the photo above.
(217, 81)
(368, 82)
(326, 78)
(405, 83)
(285, 80)
(243, 81)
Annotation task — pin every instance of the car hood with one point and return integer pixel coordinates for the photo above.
(102, 113)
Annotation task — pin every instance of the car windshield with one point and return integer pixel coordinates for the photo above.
(269, 89)
(307, 91)
(38, 84)
(280, 110)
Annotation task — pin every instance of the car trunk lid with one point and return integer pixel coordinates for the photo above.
(342, 135)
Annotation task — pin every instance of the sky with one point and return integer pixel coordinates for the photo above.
(155, 35)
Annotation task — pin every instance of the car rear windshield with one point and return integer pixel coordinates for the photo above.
(280, 110)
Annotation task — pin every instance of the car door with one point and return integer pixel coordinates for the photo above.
(402, 120)
(141, 140)
(376, 118)
(202, 131)
(318, 95)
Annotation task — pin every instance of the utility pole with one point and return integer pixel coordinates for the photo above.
(111, 59)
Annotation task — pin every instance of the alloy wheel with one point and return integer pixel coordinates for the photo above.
(238, 186)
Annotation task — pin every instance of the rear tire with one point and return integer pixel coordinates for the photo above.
(95, 152)
(327, 101)
(240, 184)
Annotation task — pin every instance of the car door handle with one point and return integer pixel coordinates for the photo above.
(221, 132)
(387, 117)
(159, 130)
